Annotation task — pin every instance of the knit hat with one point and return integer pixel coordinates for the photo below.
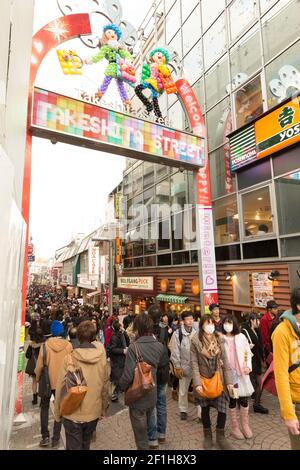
(115, 28)
(57, 328)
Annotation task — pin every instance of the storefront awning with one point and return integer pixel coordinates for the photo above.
(92, 294)
(172, 299)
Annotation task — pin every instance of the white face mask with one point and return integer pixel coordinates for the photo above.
(228, 327)
(209, 329)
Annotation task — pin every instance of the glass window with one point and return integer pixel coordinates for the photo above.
(149, 199)
(210, 11)
(228, 253)
(163, 192)
(179, 190)
(280, 27)
(168, 4)
(164, 260)
(176, 116)
(248, 102)
(283, 76)
(187, 7)
(214, 42)
(181, 258)
(221, 179)
(149, 261)
(288, 197)
(193, 64)
(138, 247)
(241, 288)
(177, 232)
(226, 221)
(173, 21)
(138, 262)
(257, 211)
(255, 175)
(127, 184)
(216, 123)
(161, 171)
(191, 31)
(189, 229)
(216, 82)
(242, 13)
(288, 161)
(245, 57)
(194, 257)
(199, 92)
(192, 188)
(150, 239)
(148, 174)
(265, 249)
(290, 246)
(265, 4)
(175, 45)
(164, 235)
(137, 179)
(128, 263)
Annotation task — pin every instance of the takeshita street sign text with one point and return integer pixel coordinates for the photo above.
(270, 133)
(76, 122)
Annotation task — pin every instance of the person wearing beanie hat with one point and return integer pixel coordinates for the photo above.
(157, 78)
(55, 349)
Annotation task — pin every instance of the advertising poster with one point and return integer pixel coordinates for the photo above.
(262, 289)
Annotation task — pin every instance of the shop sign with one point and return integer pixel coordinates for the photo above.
(208, 251)
(118, 250)
(262, 289)
(145, 283)
(243, 148)
(94, 260)
(67, 278)
(75, 121)
(278, 129)
(118, 205)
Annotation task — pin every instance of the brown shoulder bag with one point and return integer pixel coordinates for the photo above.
(143, 381)
(74, 389)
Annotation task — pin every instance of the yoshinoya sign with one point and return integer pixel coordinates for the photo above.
(73, 121)
(145, 283)
(274, 131)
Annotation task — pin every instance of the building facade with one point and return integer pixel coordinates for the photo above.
(240, 67)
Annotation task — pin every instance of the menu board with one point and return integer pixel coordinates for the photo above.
(262, 289)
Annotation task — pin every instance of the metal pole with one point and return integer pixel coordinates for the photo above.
(199, 251)
(99, 278)
(110, 279)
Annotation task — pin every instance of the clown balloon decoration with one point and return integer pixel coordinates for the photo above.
(119, 66)
(157, 78)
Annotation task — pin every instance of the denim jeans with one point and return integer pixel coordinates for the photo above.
(157, 425)
(79, 435)
(140, 421)
(45, 403)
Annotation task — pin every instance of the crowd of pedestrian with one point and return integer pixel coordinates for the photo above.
(213, 361)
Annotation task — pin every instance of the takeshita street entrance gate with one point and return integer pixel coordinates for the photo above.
(64, 119)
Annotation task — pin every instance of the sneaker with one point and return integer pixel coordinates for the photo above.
(154, 447)
(260, 409)
(183, 416)
(161, 440)
(45, 442)
(55, 444)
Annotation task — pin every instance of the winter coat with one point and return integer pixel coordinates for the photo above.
(56, 350)
(151, 351)
(200, 363)
(127, 321)
(180, 351)
(161, 334)
(265, 325)
(257, 350)
(119, 341)
(92, 361)
(32, 355)
(244, 358)
(286, 352)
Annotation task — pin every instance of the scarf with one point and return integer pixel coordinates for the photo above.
(210, 348)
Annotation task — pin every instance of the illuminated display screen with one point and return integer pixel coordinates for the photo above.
(67, 117)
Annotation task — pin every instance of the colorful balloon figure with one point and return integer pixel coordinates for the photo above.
(156, 77)
(120, 66)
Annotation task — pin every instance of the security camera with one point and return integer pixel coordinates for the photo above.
(53, 140)
(181, 169)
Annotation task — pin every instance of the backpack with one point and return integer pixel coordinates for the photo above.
(74, 389)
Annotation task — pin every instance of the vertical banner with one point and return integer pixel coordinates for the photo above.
(118, 251)
(207, 261)
(94, 261)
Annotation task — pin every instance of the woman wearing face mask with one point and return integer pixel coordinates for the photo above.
(209, 359)
(240, 359)
(252, 332)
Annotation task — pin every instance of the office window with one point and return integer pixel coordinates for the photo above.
(191, 31)
(228, 252)
(181, 258)
(283, 76)
(216, 82)
(216, 123)
(137, 179)
(149, 200)
(161, 171)
(242, 13)
(290, 247)
(193, 64)
(150, 239)
(164, 235)
(173, 20)
(245, 57)
(226, 220)
(280, 26)
(214, 41)
(163, 192)
(148, 174)
(149, 261)
(138, 262)
(127, 185)
(257, 213)
(128, 263)
(288, 197)
(189, 229)
(222, 182)
(248, 102)
(179, 190)
(177, 231)
(255, 175)
(164, 260)
(260, 250)
(210, 11)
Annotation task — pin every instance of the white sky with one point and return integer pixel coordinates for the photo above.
(69, 185)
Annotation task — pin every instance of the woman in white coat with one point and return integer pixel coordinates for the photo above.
(240, 359)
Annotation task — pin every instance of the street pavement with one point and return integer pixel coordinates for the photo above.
(114, 432)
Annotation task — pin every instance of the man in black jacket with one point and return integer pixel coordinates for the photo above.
(157, 425)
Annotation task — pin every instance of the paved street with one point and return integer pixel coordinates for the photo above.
(115, 433)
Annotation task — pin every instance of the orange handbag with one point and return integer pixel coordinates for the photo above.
(211, 388)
